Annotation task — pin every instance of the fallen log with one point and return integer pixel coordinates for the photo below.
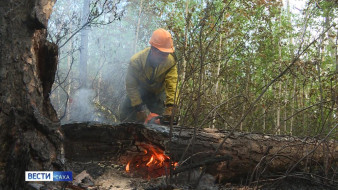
(245, 157)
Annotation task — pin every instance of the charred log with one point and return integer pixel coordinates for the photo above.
(243, 157)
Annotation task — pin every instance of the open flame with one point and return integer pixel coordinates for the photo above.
(150, 163)
(127, 167)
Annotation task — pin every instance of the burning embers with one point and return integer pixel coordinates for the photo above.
(151, 162)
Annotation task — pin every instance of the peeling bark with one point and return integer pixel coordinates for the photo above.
(29, 135)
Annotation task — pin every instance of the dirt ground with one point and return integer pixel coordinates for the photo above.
(112, 176)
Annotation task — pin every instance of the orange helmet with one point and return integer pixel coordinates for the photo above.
(161, 39)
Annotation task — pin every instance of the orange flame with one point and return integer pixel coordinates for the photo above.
(127, 167)
(151, 162)
(158, 157)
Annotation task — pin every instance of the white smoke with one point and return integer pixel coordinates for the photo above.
(110, 48)
(82, 106)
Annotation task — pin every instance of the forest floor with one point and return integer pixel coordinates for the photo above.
(112, 176)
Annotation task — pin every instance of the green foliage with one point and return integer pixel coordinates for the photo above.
(253, 41)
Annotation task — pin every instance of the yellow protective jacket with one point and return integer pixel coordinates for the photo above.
(139, 76)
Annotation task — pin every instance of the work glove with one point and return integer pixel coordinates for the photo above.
(141, 113)
(168, 111)
(141, 116)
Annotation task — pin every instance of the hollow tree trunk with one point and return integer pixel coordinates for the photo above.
(29, 128)
(244, 156)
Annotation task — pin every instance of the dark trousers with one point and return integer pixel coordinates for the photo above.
(154, 103)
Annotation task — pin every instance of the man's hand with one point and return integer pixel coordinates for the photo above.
(168, 111)
(141, 113)
(141, 116)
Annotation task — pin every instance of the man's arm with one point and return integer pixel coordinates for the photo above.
(170, 86)
(132, 86)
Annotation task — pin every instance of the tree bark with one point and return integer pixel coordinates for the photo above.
(138, 27)
(216, 91)
(70, 61)
(186, 29)
(84, 45)
(278, 114)
(244, 156)
(29, 127)
(336, 51)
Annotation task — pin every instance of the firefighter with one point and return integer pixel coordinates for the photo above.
(151, 80)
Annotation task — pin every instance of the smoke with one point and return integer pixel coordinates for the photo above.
(82, 107)
(110, 48)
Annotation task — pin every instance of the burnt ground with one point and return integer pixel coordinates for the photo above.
(112, 176)
(109, 175)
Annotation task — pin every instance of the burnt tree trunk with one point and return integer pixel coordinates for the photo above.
(244, 156)
(29, 128)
